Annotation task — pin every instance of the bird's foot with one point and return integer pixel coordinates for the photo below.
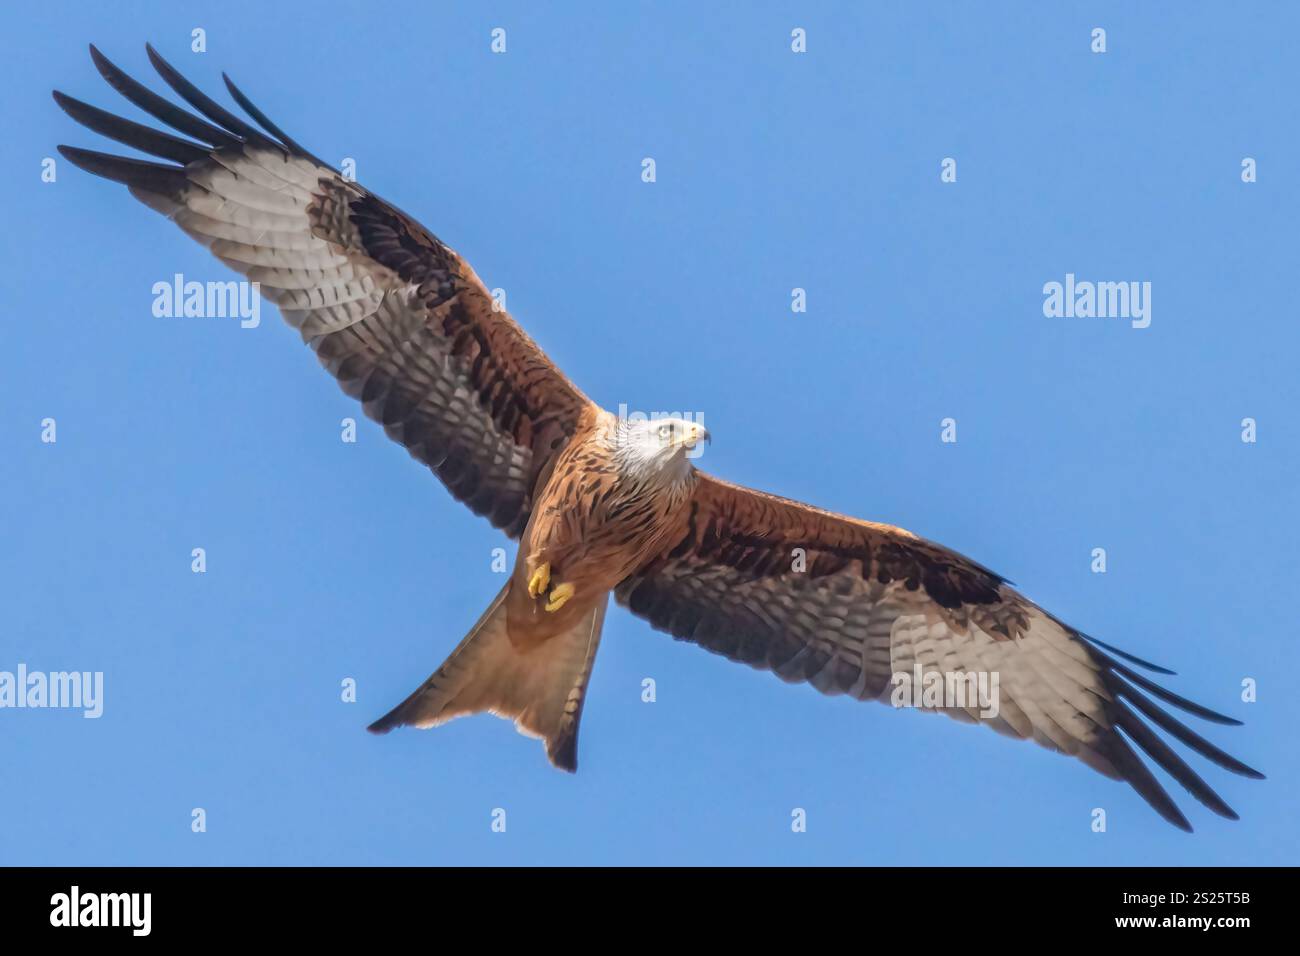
(540, 580)
(560, 595)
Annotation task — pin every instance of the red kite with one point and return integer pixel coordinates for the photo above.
(603, 505)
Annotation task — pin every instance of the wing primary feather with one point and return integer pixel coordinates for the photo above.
(1141, 779)
(1168, 696)
(1132, 659)
(1166, 758)
(247, 105)
(1177, 729)
(152, 177)
(204, 103)
(147, 140)
(157, 107)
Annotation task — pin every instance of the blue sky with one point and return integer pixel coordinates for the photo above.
(821, 171)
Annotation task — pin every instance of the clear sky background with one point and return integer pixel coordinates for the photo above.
(329, 560)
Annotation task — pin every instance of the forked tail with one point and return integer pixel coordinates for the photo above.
(541, 689)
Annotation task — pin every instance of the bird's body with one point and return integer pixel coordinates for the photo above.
(603, 505)
(600, 513)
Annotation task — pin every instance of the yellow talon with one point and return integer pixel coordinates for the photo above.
(540, 580)
(559, 595)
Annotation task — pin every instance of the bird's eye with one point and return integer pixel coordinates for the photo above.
(665, 431)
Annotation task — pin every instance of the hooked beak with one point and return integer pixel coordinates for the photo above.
(694, 434)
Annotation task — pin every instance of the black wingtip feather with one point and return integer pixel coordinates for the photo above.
(152, 177)
(204, 103)
(157, 107)
(1168, 723)
(143, 138)
(1129, 730)
(265, 122)
(1169, 761)
(1131, 658)
(1169, 697)
(1140, 778)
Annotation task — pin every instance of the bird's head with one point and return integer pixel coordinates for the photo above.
(660, 445)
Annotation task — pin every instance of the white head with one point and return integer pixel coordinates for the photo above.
(657, 448)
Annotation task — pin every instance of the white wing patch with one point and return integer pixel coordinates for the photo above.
(1045, 685)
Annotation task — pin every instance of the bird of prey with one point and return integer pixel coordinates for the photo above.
(602, 504)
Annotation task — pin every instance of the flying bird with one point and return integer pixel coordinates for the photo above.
(602, 504)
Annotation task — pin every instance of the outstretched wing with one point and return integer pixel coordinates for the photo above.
(399, 318)
(845, 605)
